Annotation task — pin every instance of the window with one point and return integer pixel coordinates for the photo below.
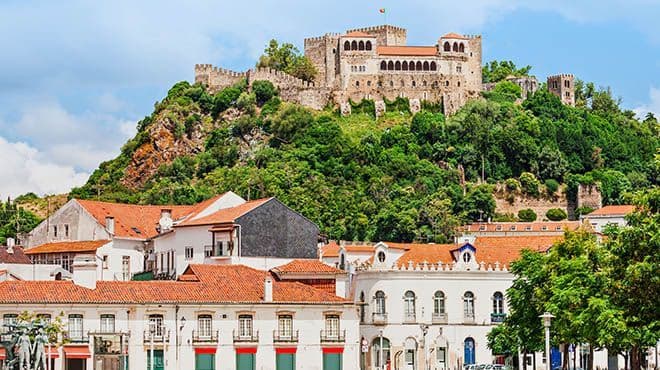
(426, 66)
(245, 326)
(66, 262)
(44, 317)
(397, 66)
(221, 248)
(544, 228)
(354, 45)
(367, 46)
(189, 253)
(66, 230)
(347, 45)
(381, 257)
(7, 320)
(411, 65)
(461, 48)
(528, 228)
(105, 262)
(55, 231)
(332, 326)
(447, 46)
(439, 303)
(204, 326)
(404, 66)
(468, 305)
(208, 251)
(75, 326)
(383, 65)
(285, 326)
(498, 228)
(498, 303)
(381, 351)
(368, 83)
(467, 257)
(126, 267)
(441, 357)
(455, 47)
(390, 66)
(361, 45)
(156, 325)
(512, 228)
(482, 228)
(434, 66)
(418, 66)
(379, 301)
(357, 83)
(409, 305)
(362, 307)
(107, 323)
(459, 68)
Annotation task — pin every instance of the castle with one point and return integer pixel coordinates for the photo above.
(376, 63)
(373, 63)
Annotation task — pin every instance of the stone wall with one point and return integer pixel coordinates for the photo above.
(563, 86)
(216, 78)
(385, 34)
(589, 196)
(539, 206)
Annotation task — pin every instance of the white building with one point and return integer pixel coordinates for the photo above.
(608, 216)
(213, 317)
(16, 265)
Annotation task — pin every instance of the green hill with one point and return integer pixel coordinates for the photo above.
(398, 177)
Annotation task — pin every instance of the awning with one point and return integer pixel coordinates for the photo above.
(205, 350)
(222, 228)
(77, 352)
(332, 349)
(246, 350)
(54, 353)
(285, 350)
(2, 354)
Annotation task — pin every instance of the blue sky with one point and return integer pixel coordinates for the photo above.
(75, 76)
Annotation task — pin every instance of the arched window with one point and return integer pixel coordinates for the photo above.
(383, 65)
(498, 303)
(347, 45)
(446, 83)
(409, 306)
(426, 66)
(381, 357)
(414, 83)
(461, 48)
(379, 303)
(434, 66)
(362, 307)
(410, 357)
(439, 303)
(357, 83)
(381, 256)
(458, 84)
(418, 66)
(467, 257)
(390, 66)
(567, 83)
(455, 47)
(411, 65)
(404, 66)
(468, 351)
(354, 45)
(369, 83)
(367, 45)
(468, 305)
(447, 46)
(361, 45)
(424, 83)
(397, 66)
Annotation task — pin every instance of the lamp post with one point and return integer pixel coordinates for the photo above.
(547, 317)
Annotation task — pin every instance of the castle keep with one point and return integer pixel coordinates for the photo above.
(373, 63)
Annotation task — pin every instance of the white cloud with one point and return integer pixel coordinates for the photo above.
(26, 169)
(652, 106)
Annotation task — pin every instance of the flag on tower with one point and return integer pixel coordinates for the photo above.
(382, 10)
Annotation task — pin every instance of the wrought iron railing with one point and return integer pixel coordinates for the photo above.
(252, 337)
(205, 336)
(333, 336)
(290, 336)
(160, 335)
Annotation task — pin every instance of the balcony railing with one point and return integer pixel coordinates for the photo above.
(204, 337)
(409, 318)
(75, 337)
(333, 336)
(439, 318)
(497, 318)
(285, 337)
(157, 336)
(246, 337)
(378, 318)
(468, 318)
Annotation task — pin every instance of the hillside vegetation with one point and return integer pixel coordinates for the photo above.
(398, 177)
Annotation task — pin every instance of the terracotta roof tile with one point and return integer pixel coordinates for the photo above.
(454, 35)
(619, 210)
(430, 253)
(132, 220)
(68, 247)
(18, 256)
(330, 250)
(225, 215)
(407, 50)
(306, 266)
(359, 34)
(217, 284)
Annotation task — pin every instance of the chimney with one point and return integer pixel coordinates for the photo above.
(84, 271)
(10, 245)
(268, 289)
(165, 222)
(110, 224)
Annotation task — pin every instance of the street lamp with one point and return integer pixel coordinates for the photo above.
(547, 317)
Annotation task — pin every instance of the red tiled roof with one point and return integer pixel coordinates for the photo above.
(68, 247)
(407, 50)
(18, 256)
(132, 220)
(359, 34)
(454, 35)
(306, 266)
(430, 253)
(332, 248)
(225, 215)
(620, 210)
(523, 226)
(217, 284)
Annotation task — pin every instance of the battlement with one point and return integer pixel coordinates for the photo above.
(320, 38)
(561, 75)
(278, 78)
(382, 27)
(209, 68)
(439, 267)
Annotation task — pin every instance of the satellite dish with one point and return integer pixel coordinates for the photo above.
(165, 223)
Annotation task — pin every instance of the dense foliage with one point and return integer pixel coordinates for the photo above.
(398, 177)
(15, 220)
(497, 71)
(287, 58)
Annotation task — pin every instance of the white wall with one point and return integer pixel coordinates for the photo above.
(115, 251)
(82, 226)
(29, 271)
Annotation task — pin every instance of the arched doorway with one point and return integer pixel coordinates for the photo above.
(410, 355)
(380, 361)
(468, 351)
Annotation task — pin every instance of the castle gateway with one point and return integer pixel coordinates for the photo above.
(373, 63)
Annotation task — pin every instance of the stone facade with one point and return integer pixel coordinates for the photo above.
(563, 86)
(373, 63)
(528, 85)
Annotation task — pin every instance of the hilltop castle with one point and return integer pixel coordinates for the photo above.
(373, 63)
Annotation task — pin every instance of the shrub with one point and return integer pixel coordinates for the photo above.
(512, 185)
(529, 184)
(225, 99)
(527, 215)
(556, 214)
(583, 211)
(504, 217)
(552, 186)
(263, 91)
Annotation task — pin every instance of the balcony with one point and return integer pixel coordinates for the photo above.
(158, 336)
(439, 318)
(205, 337)
(497, 318)
(75, 337)
(409, 318)
(379, 318)
(252, 337)
(285, 337)
(333, 336)
(468, 318)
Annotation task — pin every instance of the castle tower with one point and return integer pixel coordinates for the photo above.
(563, 86)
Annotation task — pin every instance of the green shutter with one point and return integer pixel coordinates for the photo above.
(244, 361)
(205, 362)
(159, 364)
(286, 361)
(332, 361)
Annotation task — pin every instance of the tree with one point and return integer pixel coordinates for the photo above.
(15, 220)
(530, 184)
(264, 91)
(496, 71)
(556, 214)
(287, 58)
(527, 215)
